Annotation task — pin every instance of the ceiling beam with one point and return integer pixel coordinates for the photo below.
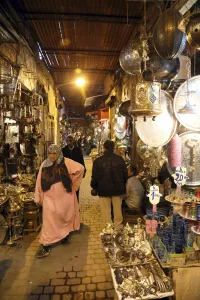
(35, 15)
(81, 52)
(64, 69)
(89, 86)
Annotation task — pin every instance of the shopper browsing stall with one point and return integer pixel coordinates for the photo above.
(57, 182)
(134, 190)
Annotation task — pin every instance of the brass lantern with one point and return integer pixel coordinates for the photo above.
(147, 99)
(168, 40)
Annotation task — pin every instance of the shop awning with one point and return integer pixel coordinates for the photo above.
(95, 102)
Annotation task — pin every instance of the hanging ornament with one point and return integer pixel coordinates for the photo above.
(129, 59)
(169, 41)
(145, 50)
(144, 47)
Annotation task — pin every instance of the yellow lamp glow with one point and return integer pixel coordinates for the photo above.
(80, 82)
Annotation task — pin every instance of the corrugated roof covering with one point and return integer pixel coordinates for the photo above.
(87, 35)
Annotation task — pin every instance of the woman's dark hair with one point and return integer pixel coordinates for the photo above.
(109, 145)
(133, 169)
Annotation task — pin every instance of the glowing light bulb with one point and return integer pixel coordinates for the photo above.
(80, 82)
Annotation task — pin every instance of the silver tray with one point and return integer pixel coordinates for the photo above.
(190, 121)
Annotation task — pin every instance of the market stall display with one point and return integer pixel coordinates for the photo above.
(13, 210)
(136, 273)
(147, 281)
(153, 158)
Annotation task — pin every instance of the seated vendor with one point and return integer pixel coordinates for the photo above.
(134, 190)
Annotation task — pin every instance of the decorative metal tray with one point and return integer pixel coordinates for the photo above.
(189, 89)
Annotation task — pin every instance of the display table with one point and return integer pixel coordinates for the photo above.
(185, 277)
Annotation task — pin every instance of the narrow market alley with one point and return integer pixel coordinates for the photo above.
(75, 270)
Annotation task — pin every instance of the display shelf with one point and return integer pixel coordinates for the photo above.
(187, 199)
(174, 202)
(169, 266)
(193, 228)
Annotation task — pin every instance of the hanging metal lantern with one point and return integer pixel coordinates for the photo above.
(193, 31)
(168, 40)
(159, 68)
(129, 59)
(147, 99)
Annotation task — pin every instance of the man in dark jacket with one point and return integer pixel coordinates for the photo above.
(109, 177)
(75, 153)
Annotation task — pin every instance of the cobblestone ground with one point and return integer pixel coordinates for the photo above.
(76, 270)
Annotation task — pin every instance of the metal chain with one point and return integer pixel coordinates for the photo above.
(145, 18)
(188, 68)
(145, 47)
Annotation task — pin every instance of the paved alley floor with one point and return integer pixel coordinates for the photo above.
(76, 270)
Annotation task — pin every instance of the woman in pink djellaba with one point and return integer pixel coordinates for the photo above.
(58, 180)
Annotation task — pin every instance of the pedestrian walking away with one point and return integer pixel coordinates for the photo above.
(75, 153)
(109, 177)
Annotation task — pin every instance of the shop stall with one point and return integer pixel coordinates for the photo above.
(168, 145)
(135, 271)
(23, 115)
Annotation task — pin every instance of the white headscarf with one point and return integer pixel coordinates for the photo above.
(59, 156)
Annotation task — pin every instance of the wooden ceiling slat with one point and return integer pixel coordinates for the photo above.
(114, 39)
